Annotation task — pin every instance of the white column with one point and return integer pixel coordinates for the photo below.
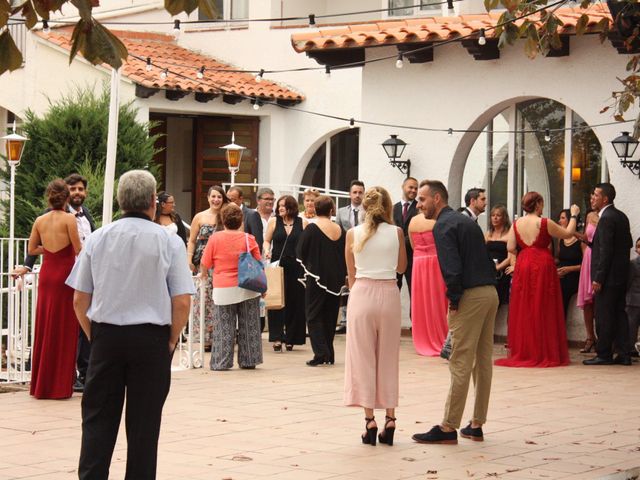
(568, 160)
(112, 146)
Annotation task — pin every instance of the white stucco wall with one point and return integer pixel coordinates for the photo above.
(459, 92)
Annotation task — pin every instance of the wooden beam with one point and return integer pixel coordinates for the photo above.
(203, 97)
(175, 95)
(423, 56)
(338, 56)
(489, 51)
(145, 92)
(563, 51)
(231, 99)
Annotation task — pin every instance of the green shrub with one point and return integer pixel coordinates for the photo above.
(72, 137)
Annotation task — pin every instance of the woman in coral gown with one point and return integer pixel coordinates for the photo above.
(585, 292)
(428, 295)
(537, 336)
(55, 235)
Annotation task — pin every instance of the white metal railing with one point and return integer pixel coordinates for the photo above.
(17, 330)
(17, 304)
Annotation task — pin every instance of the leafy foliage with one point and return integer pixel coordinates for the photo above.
(72, 137)
(96, 43)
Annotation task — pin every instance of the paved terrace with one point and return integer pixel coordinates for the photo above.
(286, 421)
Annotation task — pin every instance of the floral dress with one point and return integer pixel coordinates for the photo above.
(206, 230)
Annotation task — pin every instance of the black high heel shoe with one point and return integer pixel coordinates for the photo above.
(369, 437)
(277, 347)
(289, 347)
(589, 346)
(386, 436)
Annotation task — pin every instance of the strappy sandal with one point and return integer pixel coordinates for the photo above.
(386, 436)
(369, 437)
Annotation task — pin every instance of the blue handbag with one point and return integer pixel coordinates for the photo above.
(251, 274)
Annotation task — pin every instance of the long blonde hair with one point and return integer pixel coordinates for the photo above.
(378, 209)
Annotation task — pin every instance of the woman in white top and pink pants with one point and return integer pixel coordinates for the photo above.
(374, 252)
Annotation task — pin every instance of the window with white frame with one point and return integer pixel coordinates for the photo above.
(404, 8)
(537, 145)
(228, 10)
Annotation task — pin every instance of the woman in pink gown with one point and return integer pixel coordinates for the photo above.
(428, 292)
(585, 292)
(537, 335)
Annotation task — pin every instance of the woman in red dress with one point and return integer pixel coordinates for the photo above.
(537, 335)
(54, 235)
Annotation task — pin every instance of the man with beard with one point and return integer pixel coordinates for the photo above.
(78, 193)
(403, 212)
(470, 277)
(476, 203)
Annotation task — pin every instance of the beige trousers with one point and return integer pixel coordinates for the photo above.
(472, 353)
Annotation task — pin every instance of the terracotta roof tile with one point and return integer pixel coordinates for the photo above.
(432, 29)
(166, 53)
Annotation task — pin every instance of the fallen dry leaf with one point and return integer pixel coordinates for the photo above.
(530, 442)
(408, 459)
(432, 472)
(241, 458)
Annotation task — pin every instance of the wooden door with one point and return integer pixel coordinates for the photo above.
(211, 165)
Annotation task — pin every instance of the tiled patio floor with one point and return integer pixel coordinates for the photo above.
(285, 420)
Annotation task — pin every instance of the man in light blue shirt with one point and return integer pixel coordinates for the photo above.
(133, 294)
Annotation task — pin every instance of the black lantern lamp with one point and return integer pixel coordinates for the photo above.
(625, 146)
(394, 147)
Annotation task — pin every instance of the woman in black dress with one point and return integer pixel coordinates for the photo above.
(496, 239)
(321, 253)
(287, 325)
(569, 260)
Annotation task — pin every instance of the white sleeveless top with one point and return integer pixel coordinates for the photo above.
(378, 259)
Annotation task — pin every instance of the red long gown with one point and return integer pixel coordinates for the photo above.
(537, 335)
(56, 330)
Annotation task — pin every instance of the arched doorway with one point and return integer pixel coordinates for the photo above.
(335, 162)
(535, 144)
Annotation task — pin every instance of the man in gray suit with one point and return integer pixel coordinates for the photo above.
(351, 215)
(252, 222)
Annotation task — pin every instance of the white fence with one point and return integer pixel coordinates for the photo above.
(17, 332)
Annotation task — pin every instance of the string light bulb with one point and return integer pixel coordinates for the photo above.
(176, 28)
(547, 135)
(148, 67)
(312, 19)
(482, 40)
(257, 104)
(450, 132)
(400, 61)
(164, 74)
(45, 27)
(260, 75)
(200, 73)
(327, 70)
(352, 123)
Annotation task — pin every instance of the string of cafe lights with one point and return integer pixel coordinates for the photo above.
(258, 103)
(310, 18)
(261, 72)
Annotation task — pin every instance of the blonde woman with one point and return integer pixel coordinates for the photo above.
(309, 197)
(375, 253)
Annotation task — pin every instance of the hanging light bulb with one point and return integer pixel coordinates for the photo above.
(164, 74)
(200, 73)
(327, 70)
(176, 28)
(547, 135)
(352, 123)
(450, 132)
(256, 104)
(148, 67)
(482, 40)
(312, 19)
(45, 27)
(260, 75)
(400, 62)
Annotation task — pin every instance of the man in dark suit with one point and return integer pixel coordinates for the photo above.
(252, 221)
(476, 202)
(403, 212)
(609, 272)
